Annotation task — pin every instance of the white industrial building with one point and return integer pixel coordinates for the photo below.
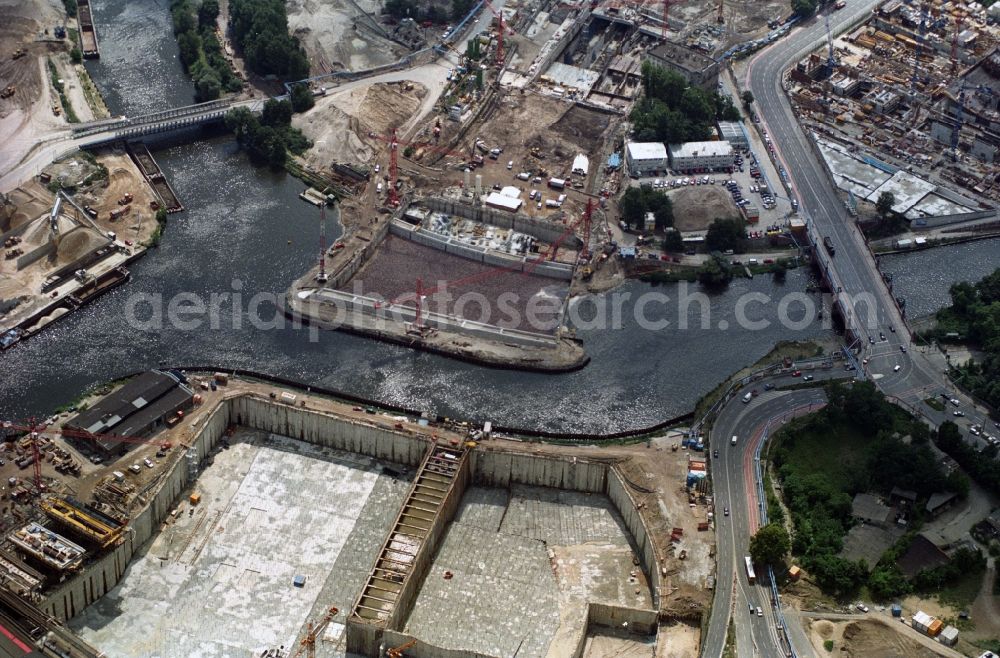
(646, 158)
(696, 157)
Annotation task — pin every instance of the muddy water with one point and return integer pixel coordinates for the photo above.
(245, 231)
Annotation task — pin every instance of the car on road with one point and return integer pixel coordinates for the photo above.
(956, 403)
(902, 348)
(148, 463)
(896, 368)
(871, 340)
(892, 328)
(769, 386)
(715, 453)
(881, 336)
(797, 373)
(958, 414)
(760, 613)
(862, 607)
(726, 511)
(807, 378)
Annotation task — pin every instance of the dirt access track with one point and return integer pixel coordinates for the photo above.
(869, 637)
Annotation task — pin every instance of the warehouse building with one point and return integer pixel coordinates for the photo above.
(144, 404)
(698, 157)
(646, 158)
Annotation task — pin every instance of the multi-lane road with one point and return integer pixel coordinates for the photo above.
(734, 486)
(898, 367)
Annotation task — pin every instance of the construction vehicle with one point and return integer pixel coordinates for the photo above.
(308, 643)
(397, 652)
(8, 91)
(19, 53)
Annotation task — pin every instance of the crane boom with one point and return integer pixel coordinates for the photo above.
(308, 643)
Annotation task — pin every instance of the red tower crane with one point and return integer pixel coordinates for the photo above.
(666, 17)
(308, 644)
(501, 28)
(959, 22)
(720, 17)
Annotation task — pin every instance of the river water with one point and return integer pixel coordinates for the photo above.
(924, 277)
(246, 231)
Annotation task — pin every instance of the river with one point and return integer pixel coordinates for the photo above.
(246, 224)
(923, 278)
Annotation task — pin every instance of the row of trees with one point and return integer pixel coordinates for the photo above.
(673, 111)
(974, 315)
(200, 50)
(260, 28)
(270, 138)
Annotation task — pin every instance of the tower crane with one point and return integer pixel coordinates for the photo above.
(393, 170)
(720, 17)
(308, 643)
(959, 23)
(920, 46)
(959, 120)
(501, 28)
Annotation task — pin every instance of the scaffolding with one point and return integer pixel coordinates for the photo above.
(103, 531)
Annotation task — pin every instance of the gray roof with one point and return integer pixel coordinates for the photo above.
(869, 508)
(903, 493)
(938, 499)
(122, 412)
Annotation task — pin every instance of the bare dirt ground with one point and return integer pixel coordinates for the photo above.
(609, 642)
(123, 178)
(337, 38)
(340, 122)
(696, 207)
(677, 640)
(862, 639)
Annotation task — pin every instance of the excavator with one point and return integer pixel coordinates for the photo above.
(308, 644)
(397, 652)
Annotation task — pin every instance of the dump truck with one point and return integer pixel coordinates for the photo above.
(828, 243)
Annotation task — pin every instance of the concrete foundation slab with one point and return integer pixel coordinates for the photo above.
(217, 580)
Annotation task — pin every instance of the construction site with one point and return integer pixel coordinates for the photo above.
(904, 104)
(412, 533)
(60, 251)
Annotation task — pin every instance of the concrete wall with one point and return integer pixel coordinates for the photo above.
(562, 271)
(96, 580)
(928, 223)
(542, 230)
(424, 558)
(502, 469)
(624, 502)
(35, 254)
(263, 414)
(423, 650)
(350, 268)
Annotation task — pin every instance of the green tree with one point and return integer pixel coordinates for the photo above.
(71, 8)
(840, 577)
(747, 98)
(302, 98)
(673, 241)
(804, 8)
(189, 44)
(715, 271)
(276, 113)
(632, 207)
(884, 204)
(780, 271)
(770, 545)
(75, 55)
(726, 234)
(208, 87)
(208, 13)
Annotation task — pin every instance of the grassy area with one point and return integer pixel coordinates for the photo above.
(839, 452)
(90, 92)
(961, 593)
(934, 403)
(729, 651)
